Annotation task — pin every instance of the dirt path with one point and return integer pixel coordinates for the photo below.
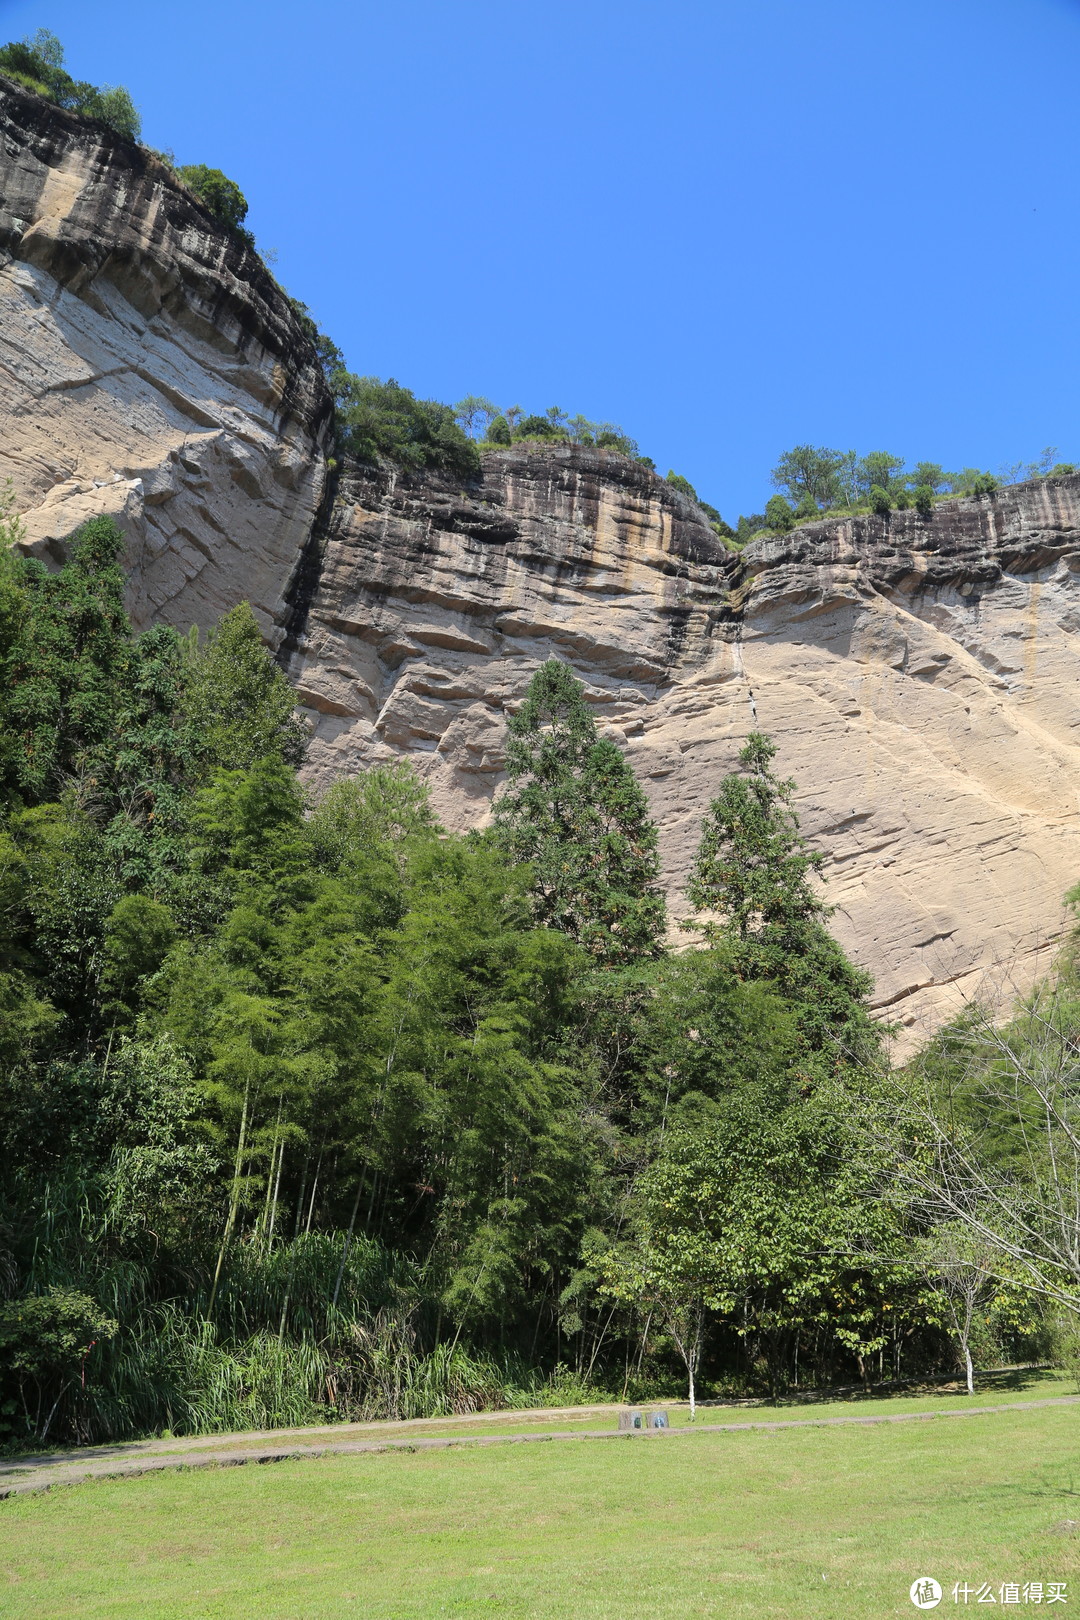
(27, 1474)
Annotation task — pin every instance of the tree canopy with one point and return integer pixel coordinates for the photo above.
(309, 1108)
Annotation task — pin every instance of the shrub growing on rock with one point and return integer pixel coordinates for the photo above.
(779, 515)
(221, 196)
(38, 63)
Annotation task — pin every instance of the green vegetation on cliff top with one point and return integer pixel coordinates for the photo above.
(38, 64)
(379, 419)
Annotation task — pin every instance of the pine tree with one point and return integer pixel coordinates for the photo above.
(752, 864)
(753, 871)
(575, 812)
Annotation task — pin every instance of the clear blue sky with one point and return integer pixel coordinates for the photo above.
(729, 225)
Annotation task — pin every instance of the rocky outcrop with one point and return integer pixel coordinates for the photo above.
(151, 368)
(919, 676)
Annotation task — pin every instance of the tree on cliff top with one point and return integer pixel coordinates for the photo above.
(38, 64)
(221, 196)
(382, 420)
(813, 471)
(574, 811)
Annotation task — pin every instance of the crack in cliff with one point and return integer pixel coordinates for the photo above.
(302, 588)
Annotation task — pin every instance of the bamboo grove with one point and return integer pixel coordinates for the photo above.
(310, 1108)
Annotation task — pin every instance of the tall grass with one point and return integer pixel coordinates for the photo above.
(319, 1329)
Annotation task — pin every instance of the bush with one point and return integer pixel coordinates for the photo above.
(539, 427)
(880, 500)
(924, 500)
(44, 1342)
(114, 108)
(779, 515)
(218, 194)
(499, 431)
(683, 485)
(379, 420)
(1065, 1344)
(984, 484)
(38, 64)
(748, 525)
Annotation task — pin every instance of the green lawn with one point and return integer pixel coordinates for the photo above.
(800, 1524)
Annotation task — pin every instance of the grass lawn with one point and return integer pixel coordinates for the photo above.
(821, 1522)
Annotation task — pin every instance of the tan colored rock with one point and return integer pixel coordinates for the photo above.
(919, 677)
(150, 368)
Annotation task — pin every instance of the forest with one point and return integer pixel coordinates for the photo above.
(310, 1109)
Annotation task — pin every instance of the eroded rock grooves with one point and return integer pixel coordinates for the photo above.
(149, 367)
(919, 676)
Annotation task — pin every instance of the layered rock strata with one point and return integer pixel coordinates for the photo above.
(150, 368)
(919, 676)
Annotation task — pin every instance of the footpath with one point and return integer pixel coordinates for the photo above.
(26, 1474)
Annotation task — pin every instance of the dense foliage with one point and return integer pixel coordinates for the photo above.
(308, 1107)
(382, 419)
(816, 481)
(221, 196)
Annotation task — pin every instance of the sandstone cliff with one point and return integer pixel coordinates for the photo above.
(149, 367)
(919, 677)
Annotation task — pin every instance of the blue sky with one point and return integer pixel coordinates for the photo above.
(728, 225)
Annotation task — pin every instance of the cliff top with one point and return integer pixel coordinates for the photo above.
(85, 204)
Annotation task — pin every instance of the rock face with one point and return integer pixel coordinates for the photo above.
(150, 368)
(919, 676)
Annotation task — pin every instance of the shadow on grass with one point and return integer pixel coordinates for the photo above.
(997, 1381)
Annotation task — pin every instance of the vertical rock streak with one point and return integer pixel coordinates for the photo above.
(919, 676)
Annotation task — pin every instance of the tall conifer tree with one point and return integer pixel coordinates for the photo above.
(575, 812)
(753, 873)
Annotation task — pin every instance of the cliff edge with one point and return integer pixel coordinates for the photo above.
(919, 676)
(150, 367)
